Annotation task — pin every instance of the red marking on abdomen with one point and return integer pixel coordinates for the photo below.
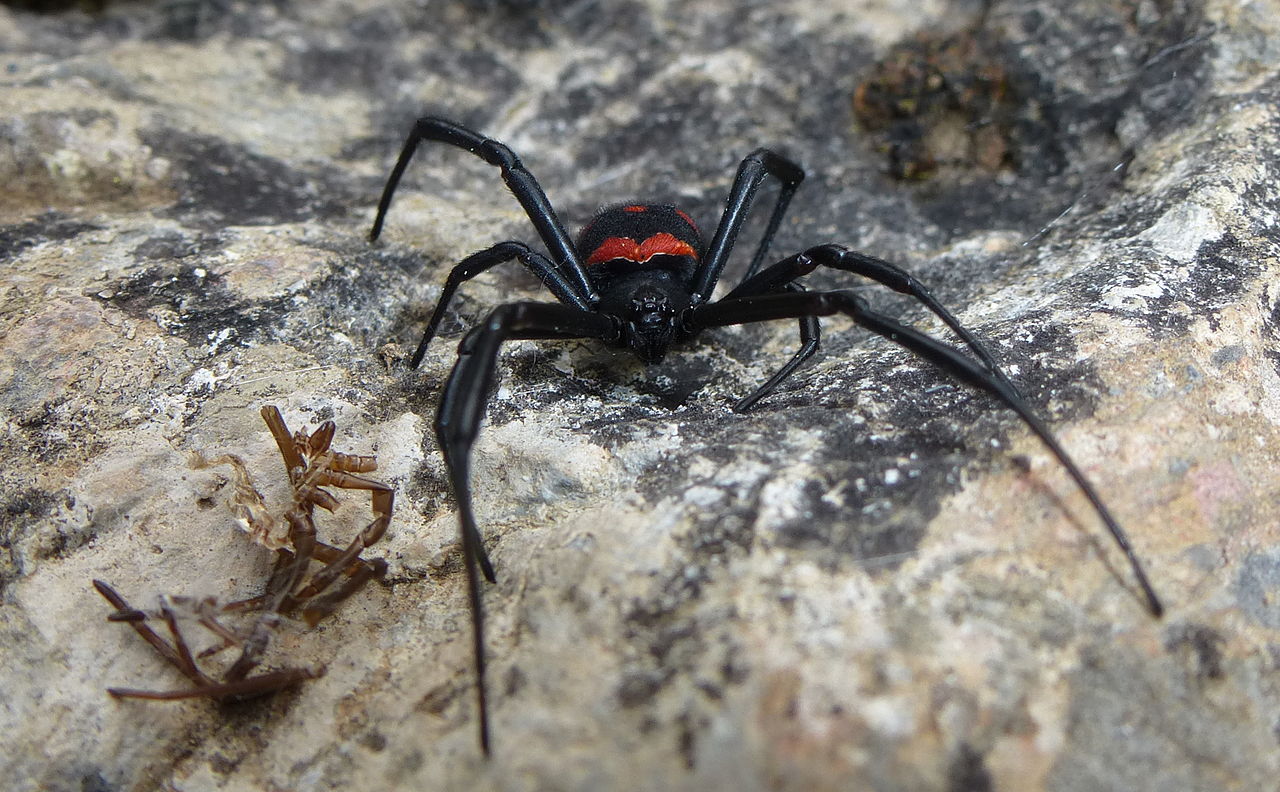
(686, 218)
(614, 248)
(661, 244)
(635, 208)
(665, 244)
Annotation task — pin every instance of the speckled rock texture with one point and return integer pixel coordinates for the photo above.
(878, 580)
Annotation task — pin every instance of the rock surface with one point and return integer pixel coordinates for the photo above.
(877, 580)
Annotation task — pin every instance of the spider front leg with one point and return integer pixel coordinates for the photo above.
(782, 277)
(810, 336)
(486, 259)
(788, 306)
(462, 407)
(752, 171)
(518, 179)
(751, 174)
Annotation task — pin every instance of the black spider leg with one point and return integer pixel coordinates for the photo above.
(486, 259)
(519, 180)
(810, 335)
(462, 407)
(788, 306)
(781, 276)
(751, 174)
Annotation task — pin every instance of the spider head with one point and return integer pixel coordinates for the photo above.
(647, 308)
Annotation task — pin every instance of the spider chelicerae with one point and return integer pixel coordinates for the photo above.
(640, 277)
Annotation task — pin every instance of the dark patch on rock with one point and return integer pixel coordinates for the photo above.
(667, 639)
(638, 687)
(374, 740)
(221, 764)
(54, 6)
(662, 624)
(686, 738)
(1228, 355)
(502, 24)
(718, 534)
(180, 20)
(655, 136)
(1202, 646)
(21, 512)
(27, 505)
(678, 382)
(55, 429)
(1257, 587)
(194, 20)
(324, 70)
(881, 535)
(1223, 270)
(195, 305)
(221, 183)
(892, 470)
(1262, 193)
(1051, 119)
(483, 69)
(95, 781)
(514, 681)
(584, 93)
(1271, 327)
(667, 627)
(173, 245)
(968, 772)
(890, 481)
(32, 530)
(47, 227)
(439, 698)
(361, 297)
(363, 61)
(1119, 690)
(623, 20)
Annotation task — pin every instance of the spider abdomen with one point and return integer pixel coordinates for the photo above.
(628, 238)
(636, 232)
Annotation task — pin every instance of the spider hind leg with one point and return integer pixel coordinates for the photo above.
(458, 418)
(789, 305)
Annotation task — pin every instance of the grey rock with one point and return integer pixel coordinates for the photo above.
(878, 580)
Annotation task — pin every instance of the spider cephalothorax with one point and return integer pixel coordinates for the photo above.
(639, 277)
(641, 260)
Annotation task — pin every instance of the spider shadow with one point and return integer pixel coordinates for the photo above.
(1023, 465)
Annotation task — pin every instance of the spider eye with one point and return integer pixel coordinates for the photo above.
(651, 310)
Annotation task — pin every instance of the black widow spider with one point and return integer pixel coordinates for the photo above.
(639, 277)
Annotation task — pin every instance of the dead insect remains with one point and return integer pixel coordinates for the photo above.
(293, 587)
